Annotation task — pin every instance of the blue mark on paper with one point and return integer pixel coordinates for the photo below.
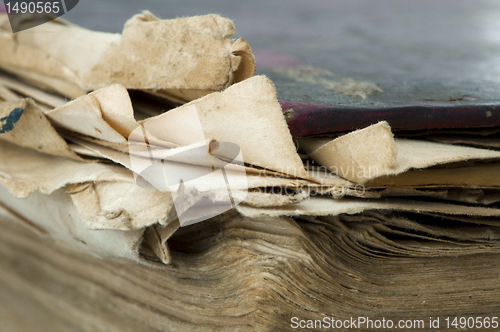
(7, 123)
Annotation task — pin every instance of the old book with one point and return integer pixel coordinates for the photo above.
(284, 255)
(113, 216)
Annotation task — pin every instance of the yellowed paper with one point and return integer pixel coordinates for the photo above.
(247, 114)
(479, 175)
(480, 142)
(19, 88)
(25, 124)
(157, 236)
(57, 216)
(25, 171)
(192, 53)
(120, 205)
(372, 152)
(321, 206)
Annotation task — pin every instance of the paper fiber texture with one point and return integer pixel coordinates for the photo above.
(192, 53)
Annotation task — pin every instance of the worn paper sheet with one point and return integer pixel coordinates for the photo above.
(478, 175)
(25, 171)
(240, 177)
(104, 114)
(192, 53)
(321, 206)
(156, 236)
(20, 89)
(105, 194)
(24, 124)
(56, 216)
(427, 235)
(247, 114)
(120, 205)
(372, 152)
(462, 195)
(231, 116)
(480, 142)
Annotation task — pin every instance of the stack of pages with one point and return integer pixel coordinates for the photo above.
(159, 146)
